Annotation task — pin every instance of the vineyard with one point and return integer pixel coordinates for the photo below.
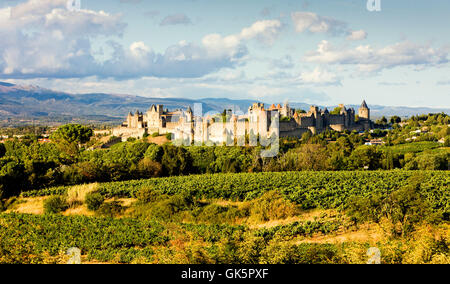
(308, 189)
(100, 238)
(119, 240)
(286, 217)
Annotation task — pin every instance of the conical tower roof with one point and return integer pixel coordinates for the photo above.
(364, 104)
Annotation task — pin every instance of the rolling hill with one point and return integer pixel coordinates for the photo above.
(34, 102)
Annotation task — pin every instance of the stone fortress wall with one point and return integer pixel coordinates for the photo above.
(259, 121)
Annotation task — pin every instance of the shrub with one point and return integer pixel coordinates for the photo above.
(94, 200)
(277, 252)
(272, 206)
(147, 195)
(110, 209)
(148, 168)
(55, 204)
(216, 214)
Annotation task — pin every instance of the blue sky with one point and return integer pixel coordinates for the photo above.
(320, 52)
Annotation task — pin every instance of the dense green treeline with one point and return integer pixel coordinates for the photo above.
(27, 164)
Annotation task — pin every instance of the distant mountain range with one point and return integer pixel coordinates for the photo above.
(17, 101)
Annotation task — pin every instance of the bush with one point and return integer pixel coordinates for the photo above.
(110, 209)
(148, 168)
(216, 214)
(55, 204)
(2, 150)
(272, 206)
(94, 200)
(147, 195)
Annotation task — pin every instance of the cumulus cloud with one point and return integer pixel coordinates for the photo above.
(176, 19)
(370, 59)
(311, 22)
(265, 31)
(319, 77)
(314, 23)
(42, 39)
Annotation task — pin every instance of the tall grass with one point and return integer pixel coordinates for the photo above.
(76, 195)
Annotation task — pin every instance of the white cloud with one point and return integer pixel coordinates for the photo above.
(139, 49)
(319, 77)
(311, 22)
(370, 59)
(42, 39)
(314, 23)
(266, 31)
(357, 35)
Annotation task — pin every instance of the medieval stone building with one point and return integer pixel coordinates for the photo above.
(259, 121)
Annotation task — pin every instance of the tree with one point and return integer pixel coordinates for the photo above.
(382, 121)
(337, 110)
(367, 157)
(306, 136)
(175, 160)
(395, 119)
(447, 141)
(2, 150)
(148, 168)
(308, 157)
(406, 207)
(388, 160)
(73, 133)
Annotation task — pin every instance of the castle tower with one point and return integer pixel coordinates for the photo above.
(129, 119)
(364, 111)
(153, 118)
(189, 114)
(286, 111)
